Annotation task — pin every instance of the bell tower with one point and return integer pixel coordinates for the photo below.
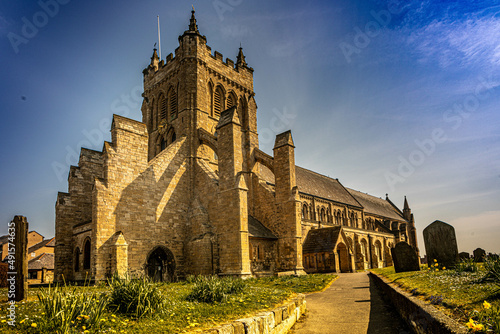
(188, 91)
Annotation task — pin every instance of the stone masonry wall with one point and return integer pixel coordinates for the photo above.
(146, 202)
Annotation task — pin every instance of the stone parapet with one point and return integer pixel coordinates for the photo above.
(276, 321)
(421, 317)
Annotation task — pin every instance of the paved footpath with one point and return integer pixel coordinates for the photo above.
(351, 305)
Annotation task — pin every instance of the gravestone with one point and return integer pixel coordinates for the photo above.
(441, 244)
(463, 256)
(405, 258)
(479, 254)
(17, 275)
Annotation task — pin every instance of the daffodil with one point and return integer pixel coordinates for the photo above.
(33, 325)
(444, 268)
(486, 305)
(470, 324)
(478, 327)
(435, 260)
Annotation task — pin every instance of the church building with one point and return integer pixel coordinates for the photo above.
(188, 191)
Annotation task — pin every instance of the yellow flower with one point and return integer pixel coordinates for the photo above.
(437, 269)
(84, 328)
(470, 324)
(478, 327)
(4, 320)
(486, 305)
(435, 260)
(444, 268)
(22, 321)
(33, 324)
(86, 317)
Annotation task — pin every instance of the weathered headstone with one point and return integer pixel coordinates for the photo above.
(479, 255)
(17, 275)
(405, 258)
(441, 244)
(463, 256)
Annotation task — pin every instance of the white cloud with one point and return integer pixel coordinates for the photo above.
(462, 43)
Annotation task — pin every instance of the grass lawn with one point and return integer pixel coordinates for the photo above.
(456, 294)
(179, 314)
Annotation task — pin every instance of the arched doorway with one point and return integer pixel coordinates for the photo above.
(344, 258)
(160, 265)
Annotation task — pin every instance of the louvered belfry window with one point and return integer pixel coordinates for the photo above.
(218, 101)
(162, 106)
(172, 103)
(231, 101)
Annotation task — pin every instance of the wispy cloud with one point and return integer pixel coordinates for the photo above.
(453, 42)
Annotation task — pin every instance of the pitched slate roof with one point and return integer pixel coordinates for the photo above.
(318, 185)
(44, 243)
(321, 240)
(45, 260)
(376, 205)
(257, 230)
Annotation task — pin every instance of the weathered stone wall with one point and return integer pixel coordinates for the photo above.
(146, 202)
(73, 208)
(278, 321)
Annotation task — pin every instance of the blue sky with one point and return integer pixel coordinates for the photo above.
(398, 97)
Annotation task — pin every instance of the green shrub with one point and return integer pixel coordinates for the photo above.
(211, 289)
(137, 297)
(69, 310)
(466, 265)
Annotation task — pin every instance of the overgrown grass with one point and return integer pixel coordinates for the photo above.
(178, 314)
(135, 297)
(211, 289)
(67, 310)
(459, 293)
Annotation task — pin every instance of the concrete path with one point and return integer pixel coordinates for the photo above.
(352, 304)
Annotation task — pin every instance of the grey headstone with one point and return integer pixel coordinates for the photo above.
(463, 256)
(479, 254)
(405, 258)
(441, 244)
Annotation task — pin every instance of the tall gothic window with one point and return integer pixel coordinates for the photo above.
(162, 106)
(231, 100)
(211, 93)
(218, 101)
(172, 103)
(86, 255)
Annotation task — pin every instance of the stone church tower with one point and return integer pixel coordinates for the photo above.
(188, 191)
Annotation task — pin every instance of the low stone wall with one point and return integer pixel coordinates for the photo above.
(421, 317)
(277, 321)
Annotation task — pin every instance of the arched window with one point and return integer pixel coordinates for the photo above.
(231, 100)
(172, 103)
(173, 137)
(304, 212)
(322, 215)
(163, 144)
(86, 254)
(77, 259)
(218, 101)
(211, 94)
(344, 219)
(162, 106)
